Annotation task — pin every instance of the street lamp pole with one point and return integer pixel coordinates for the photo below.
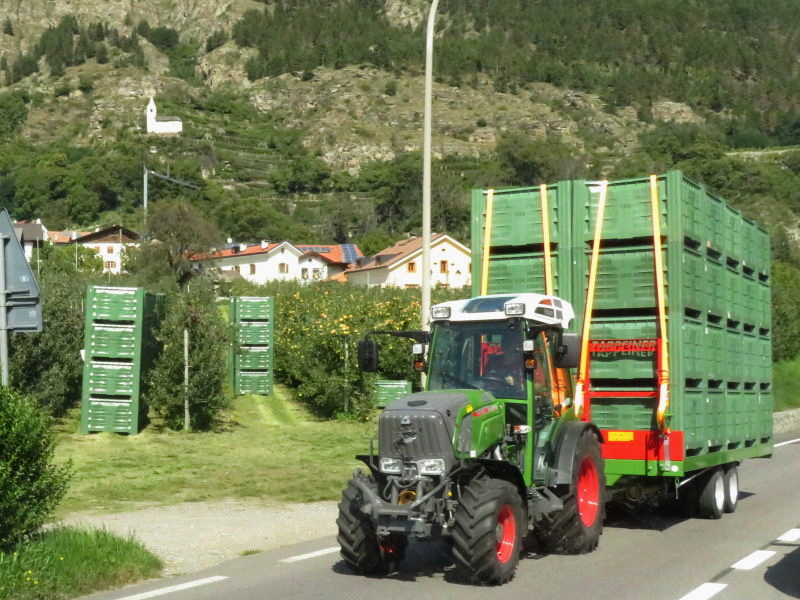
(426, 173)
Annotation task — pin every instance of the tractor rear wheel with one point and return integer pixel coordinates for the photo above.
(577, 528)
(489, 524)
(361, 548)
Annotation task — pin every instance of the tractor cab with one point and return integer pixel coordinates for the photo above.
(508, 345)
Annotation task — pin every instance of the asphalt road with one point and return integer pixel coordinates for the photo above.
(753, 553)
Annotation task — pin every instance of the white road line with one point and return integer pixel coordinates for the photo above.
(705, 591)
(787, 443)
(300, 557)
(790, 536)
(174, 588)
(752, 560)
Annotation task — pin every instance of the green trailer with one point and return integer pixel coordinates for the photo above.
(716, 270)
(119, 349)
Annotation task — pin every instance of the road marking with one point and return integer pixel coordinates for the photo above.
(705, 591)
(787, 443)
(790, 536)
(753, 560)
(174, 588)
(300, 557)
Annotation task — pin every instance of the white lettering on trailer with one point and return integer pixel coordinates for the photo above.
(175, 588)
(753, 559)
(705, 591)
(300, 557)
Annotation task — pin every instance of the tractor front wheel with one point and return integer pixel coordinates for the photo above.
(361, 548)
(577, 528)
(489, 525)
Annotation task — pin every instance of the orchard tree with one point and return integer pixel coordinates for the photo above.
(175, 232)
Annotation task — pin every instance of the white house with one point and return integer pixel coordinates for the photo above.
(108, 244)
(400, 265)
(283, 261)
(31, 236)
(161, 125)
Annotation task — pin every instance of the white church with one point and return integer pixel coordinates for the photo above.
(161, 125)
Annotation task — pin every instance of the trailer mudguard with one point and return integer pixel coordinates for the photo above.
(567, 441)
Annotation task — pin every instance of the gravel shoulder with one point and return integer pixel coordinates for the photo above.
(193, 536)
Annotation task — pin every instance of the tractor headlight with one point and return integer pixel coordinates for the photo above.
(431, 466)
(391, 465)
(440, 312)
(515, 308)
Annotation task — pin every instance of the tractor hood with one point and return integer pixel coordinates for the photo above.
(423, 425)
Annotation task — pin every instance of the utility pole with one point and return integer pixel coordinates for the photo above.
(426, 173)
(3, 314)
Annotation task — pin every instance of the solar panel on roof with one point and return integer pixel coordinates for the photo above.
(350, 253)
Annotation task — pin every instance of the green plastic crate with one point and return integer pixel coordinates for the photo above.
(254, 358)
(389, 390)
(253, 382)
(112, 340)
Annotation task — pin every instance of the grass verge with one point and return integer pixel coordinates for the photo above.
(271, 449)
(785, 375)
(67, 562)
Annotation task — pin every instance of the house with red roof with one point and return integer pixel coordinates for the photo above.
(284, 261)
(400, 265)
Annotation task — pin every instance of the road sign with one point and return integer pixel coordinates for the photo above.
(19, 293)
(25, 316)
(20, 282)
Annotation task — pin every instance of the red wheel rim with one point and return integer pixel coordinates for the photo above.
(506, 534)
(588, 492)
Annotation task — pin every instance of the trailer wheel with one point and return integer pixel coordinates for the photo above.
(577, 528)
(730, 480)
(360, 546)
(711, 501)
(489, 525)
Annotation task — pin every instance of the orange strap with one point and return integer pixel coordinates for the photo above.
(587, 313)
(556, 375)
(663, 373)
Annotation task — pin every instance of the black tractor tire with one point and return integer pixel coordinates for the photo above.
(360, 546)
(730, 481)
(490, 522)
(576, 529)
(711, 495)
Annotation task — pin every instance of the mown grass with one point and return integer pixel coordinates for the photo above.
(271, 449)
(785, 377)
(68, 562)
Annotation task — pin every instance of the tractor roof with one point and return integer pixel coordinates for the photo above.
(548, 310)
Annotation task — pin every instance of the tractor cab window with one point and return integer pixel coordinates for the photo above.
(482, 355)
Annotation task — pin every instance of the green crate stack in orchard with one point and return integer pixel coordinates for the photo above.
(119, 349)
(254, 358)
(717, 274)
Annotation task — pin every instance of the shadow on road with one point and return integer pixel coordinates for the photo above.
(428, 560)
(785, 575)
(650, 517)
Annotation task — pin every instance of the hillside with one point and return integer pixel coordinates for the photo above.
(304, 118)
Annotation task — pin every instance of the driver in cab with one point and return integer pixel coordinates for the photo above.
(505, 371)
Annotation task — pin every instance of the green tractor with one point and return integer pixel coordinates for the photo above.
(491, 453)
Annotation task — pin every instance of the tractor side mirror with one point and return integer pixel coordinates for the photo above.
(368, 356)
(568, 354)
